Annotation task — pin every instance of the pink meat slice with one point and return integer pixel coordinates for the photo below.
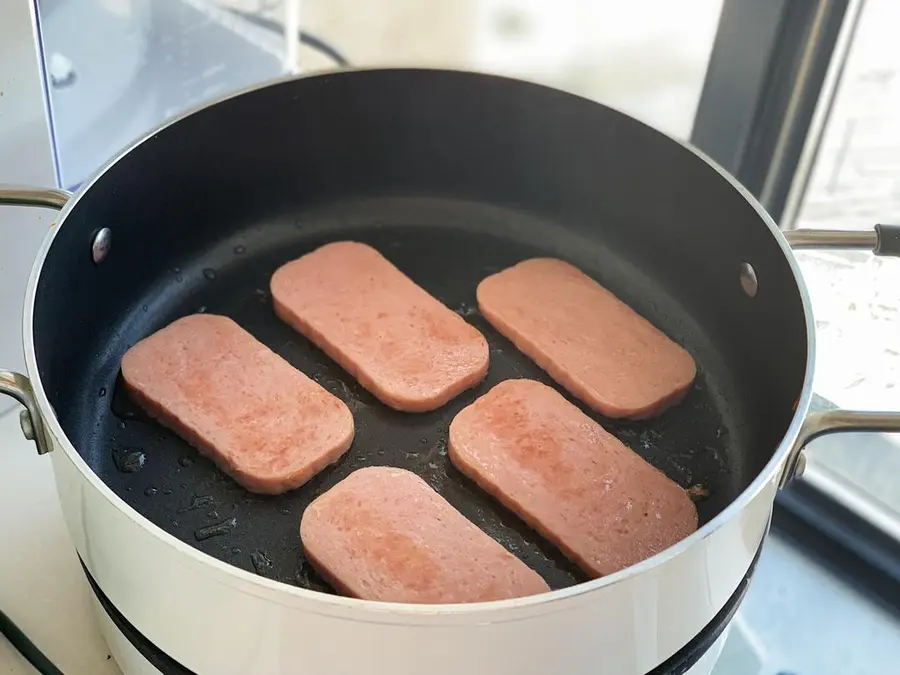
(586, 339)
(257, 417)
(409, 350)
(599, 502)
(384, 534)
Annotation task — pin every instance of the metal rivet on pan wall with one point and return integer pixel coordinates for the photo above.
(801, 465)
(100, 245)
(749, 282)
(26, 425)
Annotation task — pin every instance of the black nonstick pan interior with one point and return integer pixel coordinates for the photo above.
(697, 443)
(195, 230)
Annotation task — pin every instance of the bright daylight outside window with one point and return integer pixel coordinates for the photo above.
(855, 183)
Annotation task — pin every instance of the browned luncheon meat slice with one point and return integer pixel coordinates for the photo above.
(384, 534)
(400, 343)
(589, 341)
(562, 473)
(260, 419)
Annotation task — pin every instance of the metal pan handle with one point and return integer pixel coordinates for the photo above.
(19, 387)
(23, 195)
(11, 383)
(881, 240)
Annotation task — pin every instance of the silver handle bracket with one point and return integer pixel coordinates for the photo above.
(15, 384)
(19, 387)
(882, 240)
(831, 422)
(23, 195)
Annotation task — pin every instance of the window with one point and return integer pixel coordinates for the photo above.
(146, 60)
(855, 183)
(140, 62)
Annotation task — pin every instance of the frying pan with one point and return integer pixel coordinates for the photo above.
(452, 176)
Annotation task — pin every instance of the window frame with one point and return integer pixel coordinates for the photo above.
(772, 76)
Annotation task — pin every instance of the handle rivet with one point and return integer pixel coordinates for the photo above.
(27, 426)
(101, 244)
(800, 466)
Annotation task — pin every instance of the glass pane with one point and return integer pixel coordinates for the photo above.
(144, 60)
(117, 68)
(854, 184)
(645, 57)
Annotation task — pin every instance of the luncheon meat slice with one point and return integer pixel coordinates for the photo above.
(562, 473)
(589, 341)
(409, 350)
(258, 418)
(384, 534)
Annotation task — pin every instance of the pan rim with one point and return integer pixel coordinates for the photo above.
(381, 611)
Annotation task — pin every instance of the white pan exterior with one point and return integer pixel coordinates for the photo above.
(133, 663)
(217, 619)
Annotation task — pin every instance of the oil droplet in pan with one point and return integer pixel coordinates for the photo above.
(209, 273)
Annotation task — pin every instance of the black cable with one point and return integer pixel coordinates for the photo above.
(307, 39)
(26, 647)
(320, 45)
